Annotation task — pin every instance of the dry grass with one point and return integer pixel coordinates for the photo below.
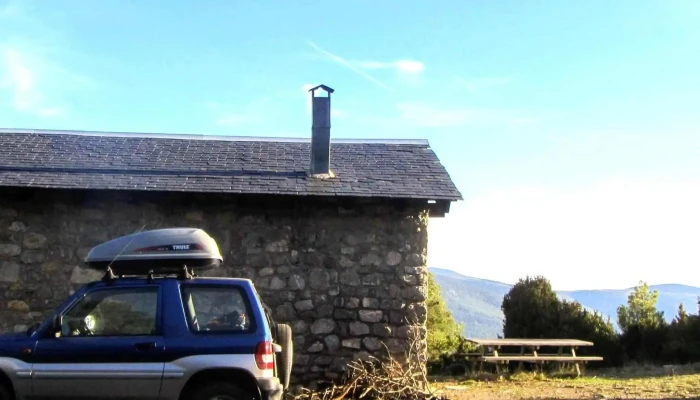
(379, 378)
(628, 383)
(386, 378)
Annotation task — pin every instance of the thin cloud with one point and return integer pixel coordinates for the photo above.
(425, 115)
(434, 116)
(401, 66)
(34, 81)
(226, 115)
(36, 77)
(229, 120)
(11, 9)
(338, 113)
(349, 65)
(50, 112)
(19, 79)
(481, 85)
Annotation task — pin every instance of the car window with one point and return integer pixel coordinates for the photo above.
(216, 309)
(113, 312)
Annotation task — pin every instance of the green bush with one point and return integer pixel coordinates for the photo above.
(683, 341)
(533, 310)
(444, 333)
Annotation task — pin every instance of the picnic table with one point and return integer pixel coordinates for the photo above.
(490, 352)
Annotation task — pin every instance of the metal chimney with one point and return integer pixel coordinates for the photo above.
(321, 132)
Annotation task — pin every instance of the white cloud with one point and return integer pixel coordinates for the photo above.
(35, 73)
(347, 64)
(406, 69)
(409, 72)
(19, 78)
(33, 82)
(410, 66)
(606, 236)
(21, 81)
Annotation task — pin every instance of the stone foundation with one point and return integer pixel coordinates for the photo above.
(348, 276)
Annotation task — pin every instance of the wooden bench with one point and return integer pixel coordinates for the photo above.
(490, 349)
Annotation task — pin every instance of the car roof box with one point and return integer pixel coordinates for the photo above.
(160, 250)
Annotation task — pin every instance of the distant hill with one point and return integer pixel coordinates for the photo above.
(477, 302)
(474, 302)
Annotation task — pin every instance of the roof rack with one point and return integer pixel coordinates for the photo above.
(184, 274)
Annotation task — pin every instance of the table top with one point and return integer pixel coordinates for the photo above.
(529, 342)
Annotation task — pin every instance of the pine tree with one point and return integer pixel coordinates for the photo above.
(682, 316)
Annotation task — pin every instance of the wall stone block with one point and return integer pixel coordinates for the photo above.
(8, 250)
(323, 326)
(349, 279)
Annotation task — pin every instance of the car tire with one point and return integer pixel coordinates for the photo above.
(286, 357)
(5, 394)
(220, 390)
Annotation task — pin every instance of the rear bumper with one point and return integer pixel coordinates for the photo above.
(270, 388)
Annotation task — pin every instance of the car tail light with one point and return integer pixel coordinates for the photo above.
(264, 356)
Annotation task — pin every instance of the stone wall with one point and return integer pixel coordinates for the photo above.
(348, 276)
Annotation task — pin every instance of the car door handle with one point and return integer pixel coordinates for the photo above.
(145, 346)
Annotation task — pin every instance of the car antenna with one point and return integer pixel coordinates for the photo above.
(109, 274)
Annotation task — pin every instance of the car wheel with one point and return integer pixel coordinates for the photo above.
(4, 393)
(220, 391)
(286, 357)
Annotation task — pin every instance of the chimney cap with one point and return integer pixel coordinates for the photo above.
(324, 87)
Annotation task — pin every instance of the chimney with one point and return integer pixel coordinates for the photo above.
(321, 133)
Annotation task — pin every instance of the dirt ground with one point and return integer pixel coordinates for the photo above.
(591, 387)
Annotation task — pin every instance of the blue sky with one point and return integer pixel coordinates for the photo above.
(571, 128)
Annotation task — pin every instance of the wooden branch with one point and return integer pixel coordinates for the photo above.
(380, 379)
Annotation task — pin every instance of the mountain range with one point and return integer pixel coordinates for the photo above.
(476, 302)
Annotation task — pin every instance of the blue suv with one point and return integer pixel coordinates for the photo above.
(151, 329)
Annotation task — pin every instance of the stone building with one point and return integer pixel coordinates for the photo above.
(334, 235)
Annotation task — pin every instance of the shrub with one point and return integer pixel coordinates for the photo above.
(444, 333)
(533, 310)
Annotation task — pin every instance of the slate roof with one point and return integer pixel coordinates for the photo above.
(97, 160)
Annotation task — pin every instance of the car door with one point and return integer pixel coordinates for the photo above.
(110, 347)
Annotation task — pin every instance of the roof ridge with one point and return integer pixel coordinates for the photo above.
(223, 138)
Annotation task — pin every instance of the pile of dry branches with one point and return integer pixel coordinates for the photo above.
(379, 379)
